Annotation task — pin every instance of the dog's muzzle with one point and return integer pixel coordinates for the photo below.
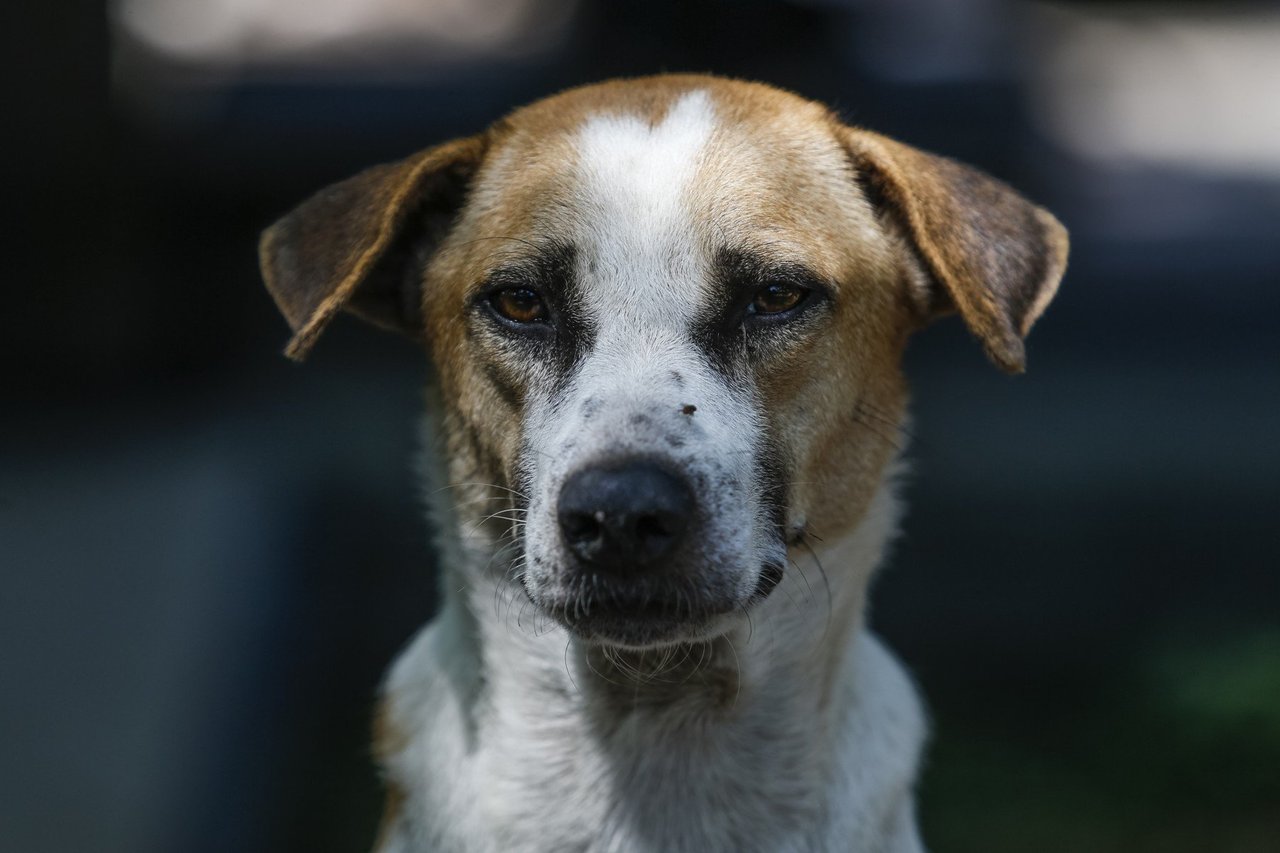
(635, 571)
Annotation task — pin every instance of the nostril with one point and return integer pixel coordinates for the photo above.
(652, 527)
(581, 527)
(652, 534)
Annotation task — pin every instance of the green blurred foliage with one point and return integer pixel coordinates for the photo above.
(1179, 752)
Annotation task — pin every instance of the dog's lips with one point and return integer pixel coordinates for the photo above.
(644, 615)
(634, 620)
(635, 630)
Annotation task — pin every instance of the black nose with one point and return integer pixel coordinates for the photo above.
(624, 517)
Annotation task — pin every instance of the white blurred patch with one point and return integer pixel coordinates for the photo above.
(342, 32)
(1151, 85)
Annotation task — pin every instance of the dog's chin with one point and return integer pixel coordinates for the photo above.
(648, 618)
(642, 631)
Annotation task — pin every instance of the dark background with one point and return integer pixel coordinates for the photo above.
(209, 555)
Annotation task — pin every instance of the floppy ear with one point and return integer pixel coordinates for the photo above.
(350, 246)
(988, 253)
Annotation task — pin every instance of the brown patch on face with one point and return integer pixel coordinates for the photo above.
(836, 403)
(989, 254)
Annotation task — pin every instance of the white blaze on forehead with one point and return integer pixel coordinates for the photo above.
(637, 236)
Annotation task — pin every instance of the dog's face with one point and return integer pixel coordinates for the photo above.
(668, 315)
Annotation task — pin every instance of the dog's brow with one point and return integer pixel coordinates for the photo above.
(743, 265)
(548, 267)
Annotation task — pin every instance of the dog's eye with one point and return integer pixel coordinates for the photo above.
(777, 298)
(519, 305)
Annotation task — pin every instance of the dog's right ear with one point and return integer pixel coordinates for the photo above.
(350, 246)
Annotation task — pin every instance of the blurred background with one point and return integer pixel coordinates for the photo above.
(209, 555)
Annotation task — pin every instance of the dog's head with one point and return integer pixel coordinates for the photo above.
(668, 314)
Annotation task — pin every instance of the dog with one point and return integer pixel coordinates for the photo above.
(664, 319)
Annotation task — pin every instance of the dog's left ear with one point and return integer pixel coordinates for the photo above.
(989, 253)
(351, 246)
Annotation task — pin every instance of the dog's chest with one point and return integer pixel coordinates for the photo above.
(521, 760)
(654, 782)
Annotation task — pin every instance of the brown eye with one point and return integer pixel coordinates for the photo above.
(777, 297)
(519, 305)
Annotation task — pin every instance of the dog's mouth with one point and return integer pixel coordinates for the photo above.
(632, 618)
(647, 615)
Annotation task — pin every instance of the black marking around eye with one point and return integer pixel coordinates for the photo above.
(730, 337)
(557, 344)
(775, 489)
(508, 389)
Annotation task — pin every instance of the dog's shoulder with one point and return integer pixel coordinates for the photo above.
(872, 802)
(424, 719)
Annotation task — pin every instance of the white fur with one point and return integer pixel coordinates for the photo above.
(642, 268)
(511, 742)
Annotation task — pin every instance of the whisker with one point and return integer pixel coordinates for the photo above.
(737, 667)
(825, 581)
(874, 428)
(479, 483)
(803, 577)
(599, 674)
